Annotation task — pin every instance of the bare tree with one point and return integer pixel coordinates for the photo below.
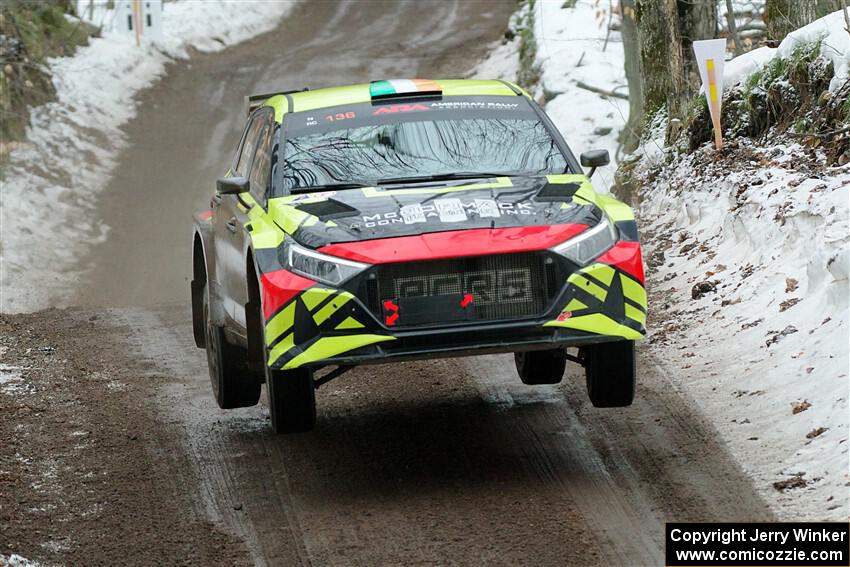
(784, 16)
(662, 63)
(631, 47)
(733, 28)
(697, 20)
(825, 7)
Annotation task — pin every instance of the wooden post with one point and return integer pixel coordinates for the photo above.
(137, 21)
(714, 102)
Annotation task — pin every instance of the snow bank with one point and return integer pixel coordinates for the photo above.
(571, 48)
(749, 294)
(51, 184)
(835, 44)
(835, 47)
(749, 254)
(738, 69)
(15, 560)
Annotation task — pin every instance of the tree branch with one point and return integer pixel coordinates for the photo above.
(599, 91)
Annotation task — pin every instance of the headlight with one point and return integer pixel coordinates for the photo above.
(317, 266)
(590, 243)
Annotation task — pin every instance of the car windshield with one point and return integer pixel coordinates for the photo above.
(409, 145)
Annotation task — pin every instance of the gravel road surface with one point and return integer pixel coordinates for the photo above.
(112, 450)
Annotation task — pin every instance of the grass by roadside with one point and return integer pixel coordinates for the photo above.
(30, 33)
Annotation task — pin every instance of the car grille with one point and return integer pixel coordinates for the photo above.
(504, 286)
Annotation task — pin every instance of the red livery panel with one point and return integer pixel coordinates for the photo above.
(439, 245)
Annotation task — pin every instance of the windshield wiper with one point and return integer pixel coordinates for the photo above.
(328, 186)
(445, 177)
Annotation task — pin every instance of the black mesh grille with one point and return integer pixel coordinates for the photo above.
(505, 286)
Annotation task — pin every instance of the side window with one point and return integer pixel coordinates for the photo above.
(248, 146)
(239, 145)
(261, 166)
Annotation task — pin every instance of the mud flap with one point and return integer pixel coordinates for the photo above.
(254, 324)
(198, 322)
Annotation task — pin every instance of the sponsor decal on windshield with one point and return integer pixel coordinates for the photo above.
(474, 105)
(368, 114)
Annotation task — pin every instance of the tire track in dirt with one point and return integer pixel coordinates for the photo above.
(628, 470)
(448, 461)
(407, 465)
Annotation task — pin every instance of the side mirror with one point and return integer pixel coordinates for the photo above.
(231, 185)
(594, 159)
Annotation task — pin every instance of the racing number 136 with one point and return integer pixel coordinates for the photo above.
(340, 116)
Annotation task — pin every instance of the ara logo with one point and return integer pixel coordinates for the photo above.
(394, 108)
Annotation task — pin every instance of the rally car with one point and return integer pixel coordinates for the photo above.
(410, 219)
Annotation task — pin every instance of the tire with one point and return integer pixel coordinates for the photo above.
(540, 366)
(292, 400)
(610, 372)
(234, 385)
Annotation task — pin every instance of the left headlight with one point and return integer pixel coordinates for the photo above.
(590, 243)
(318, 266)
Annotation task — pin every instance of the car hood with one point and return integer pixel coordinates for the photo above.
(351, 215)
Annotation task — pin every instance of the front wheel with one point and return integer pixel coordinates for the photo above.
(292, 400)
(540, 366)
(610, 372)
(234, 385)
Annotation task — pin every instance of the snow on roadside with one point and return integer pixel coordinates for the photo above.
(50, 186)
(16, 560)
(762, 348)
(571, 48)
(748, 271)
(501, 63)
(749, 254)
(835, 48)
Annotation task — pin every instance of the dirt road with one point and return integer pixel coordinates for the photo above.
(112, 430)
(189, 123)
(113, 451)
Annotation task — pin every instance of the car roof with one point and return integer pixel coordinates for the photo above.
(307, 100)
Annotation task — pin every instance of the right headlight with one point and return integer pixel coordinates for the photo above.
(589, 244)
(318, 266)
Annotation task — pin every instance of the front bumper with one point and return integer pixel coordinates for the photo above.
(308, 324)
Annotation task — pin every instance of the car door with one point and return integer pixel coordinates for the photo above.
(228, 225)
(259, 174)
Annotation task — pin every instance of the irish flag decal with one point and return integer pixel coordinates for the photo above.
(396, 87)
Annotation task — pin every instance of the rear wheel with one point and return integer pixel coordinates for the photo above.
(292, 400)
(234, 385)
(540, 366)
(610, 372)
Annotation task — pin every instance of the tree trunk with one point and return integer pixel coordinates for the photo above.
(825, 7)
(661, 60)
(631, 48)
(697, 20)
(733, 28)
(784, 16)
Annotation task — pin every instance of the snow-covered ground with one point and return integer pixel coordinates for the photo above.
(572, 48)
(748, 273)
(763, 350)
(835, 48)
(52, 181)
(17, 561)
(751, 254)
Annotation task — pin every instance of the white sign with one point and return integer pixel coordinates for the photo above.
(710, 56)
(140, 18)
